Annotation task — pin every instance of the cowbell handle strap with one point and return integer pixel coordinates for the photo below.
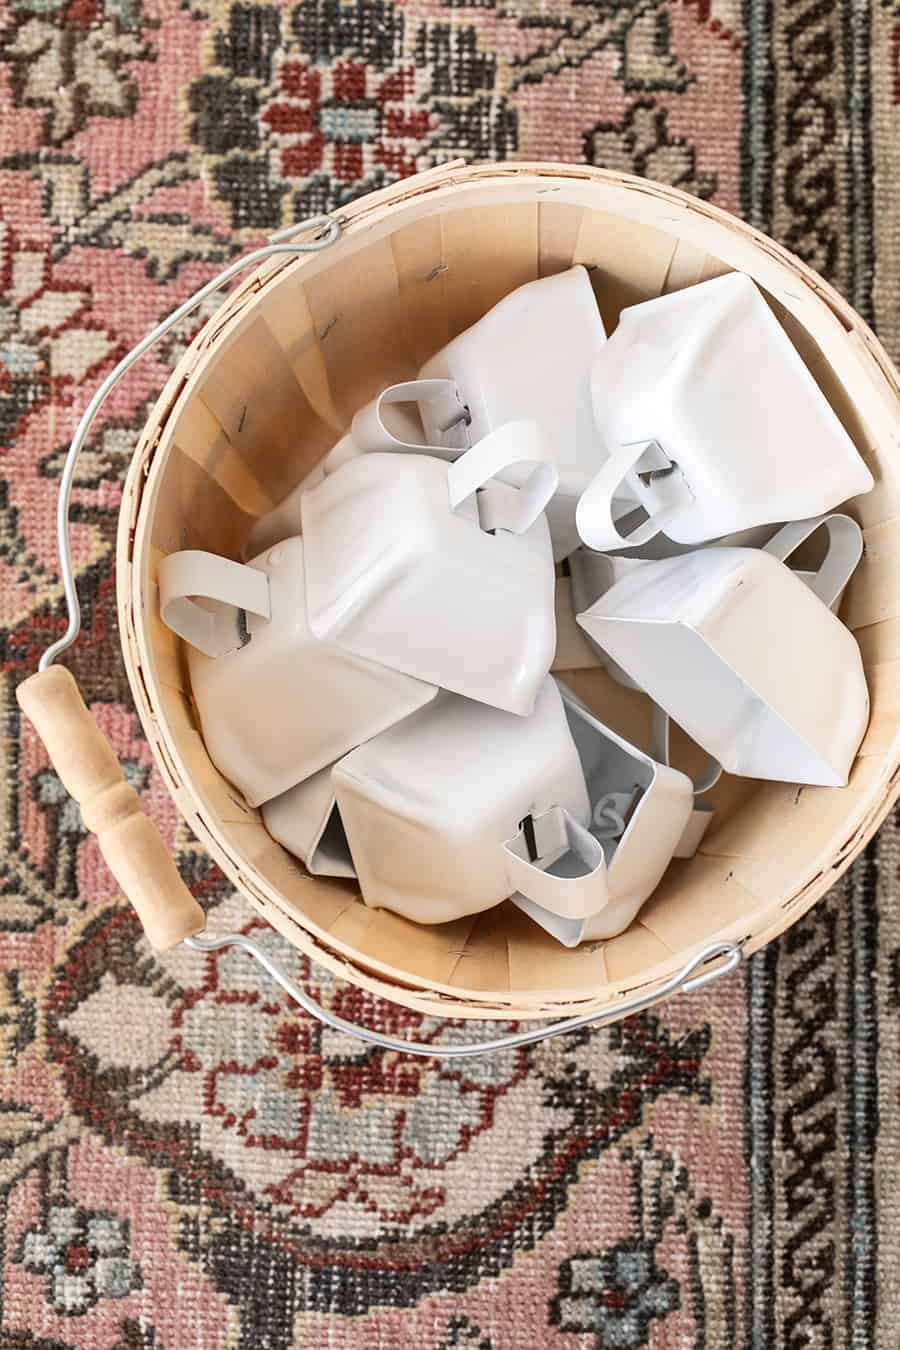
(555, 832)
(701, 817)
(595, 515)
(845, 548)
(192, 572)
(371, 432)
(513, 509)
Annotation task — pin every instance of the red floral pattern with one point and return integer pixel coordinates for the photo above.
(295, 1087)
(348, 122)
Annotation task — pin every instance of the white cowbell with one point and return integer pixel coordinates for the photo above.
(276, 704)
(744, 654)
(389, 423)
(530, 356)
(462, 806)
(712, 421)
(642, 815)
(438, 570)
(434, 808)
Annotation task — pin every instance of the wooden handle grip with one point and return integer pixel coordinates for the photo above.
(110, 807)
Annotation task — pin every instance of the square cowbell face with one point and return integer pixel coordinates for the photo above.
(531, 356)
(428, 806)
(285, 704)
(395, 575)
(711, 376)
(732, 644)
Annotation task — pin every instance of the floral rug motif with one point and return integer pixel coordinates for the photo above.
(185, 1159)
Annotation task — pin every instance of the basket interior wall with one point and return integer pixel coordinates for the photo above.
(270, 396)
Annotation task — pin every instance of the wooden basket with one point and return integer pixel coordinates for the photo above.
(266, 389)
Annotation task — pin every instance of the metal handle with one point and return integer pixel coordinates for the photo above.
(277, 244)
(685, 981)
(86, 763)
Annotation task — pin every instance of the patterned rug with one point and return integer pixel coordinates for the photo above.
(184, 1160)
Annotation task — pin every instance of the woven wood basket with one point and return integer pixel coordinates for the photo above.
(265, 390)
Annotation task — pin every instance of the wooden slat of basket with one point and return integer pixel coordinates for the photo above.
(199, 434)
(874, 594)
(540, 978)
(254, 395)
(690, 265)
(628, 262)
(361, 344)
(629, 956)
(418, 253)
(879, 642)
(197, 511)
(797, 829)
(558, 226)
(695, 899)
(484, 966)
(884, 695)
(487, 258)
(291, 323)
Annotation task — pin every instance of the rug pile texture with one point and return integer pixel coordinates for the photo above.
(186, 1163)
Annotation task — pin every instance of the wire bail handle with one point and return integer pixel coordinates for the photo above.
(689, 979)
(329, 229)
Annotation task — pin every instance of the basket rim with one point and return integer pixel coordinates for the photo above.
(360, 219)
